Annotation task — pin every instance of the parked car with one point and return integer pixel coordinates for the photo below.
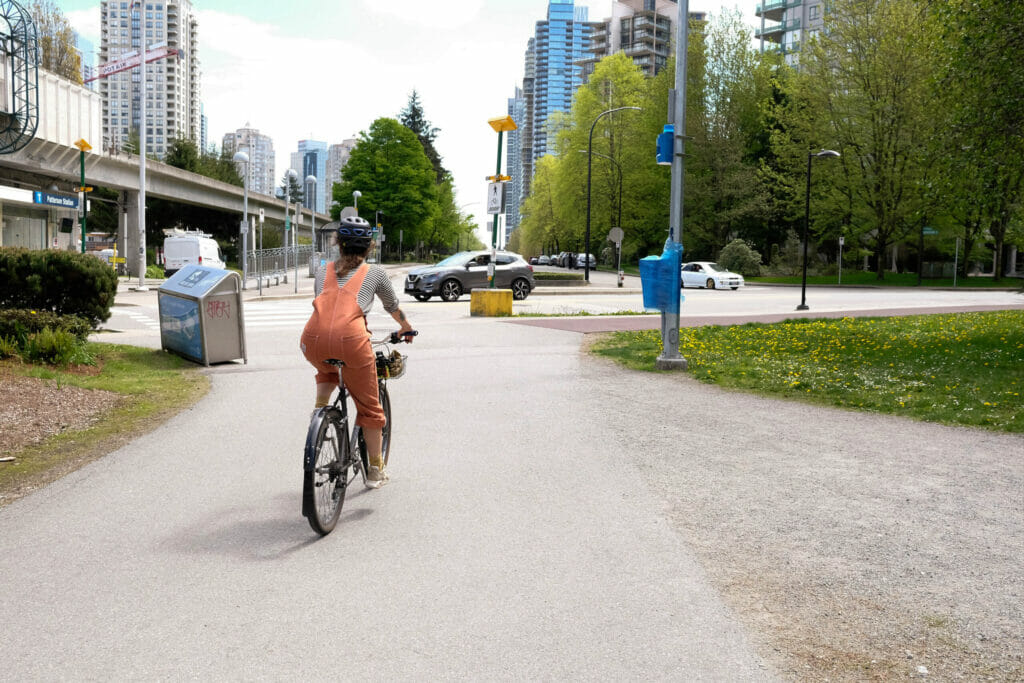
(461, 272)
(560, 259)
(543, 260)
(709, 275)
(581, 260)
(533, 260)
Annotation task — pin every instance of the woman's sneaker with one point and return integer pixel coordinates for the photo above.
(376, 477)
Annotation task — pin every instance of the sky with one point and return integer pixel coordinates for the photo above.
(326, 69)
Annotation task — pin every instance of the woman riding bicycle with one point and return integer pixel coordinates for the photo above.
(337, 330)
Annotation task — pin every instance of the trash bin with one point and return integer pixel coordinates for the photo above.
(201, 315)
(661, 278)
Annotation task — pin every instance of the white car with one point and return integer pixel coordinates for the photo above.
(709, 275)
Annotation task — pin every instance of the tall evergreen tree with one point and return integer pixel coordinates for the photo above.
(412, 117)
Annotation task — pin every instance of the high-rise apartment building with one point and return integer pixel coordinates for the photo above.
(514, 148)
(525, 168)
(311, 159)
(643, 29)
(337, 157)
(786, 23)
(260, 149)
(203, 141)
(171, 84)
(87, 58)
(561, 42)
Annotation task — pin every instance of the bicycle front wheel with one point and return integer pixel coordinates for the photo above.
(328, 459)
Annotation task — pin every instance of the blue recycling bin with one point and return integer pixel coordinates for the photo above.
(660, 278)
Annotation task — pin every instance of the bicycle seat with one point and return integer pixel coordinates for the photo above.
(335, 362)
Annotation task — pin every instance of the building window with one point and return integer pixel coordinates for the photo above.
(813, 12)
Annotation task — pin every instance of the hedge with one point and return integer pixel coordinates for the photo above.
(62, 282)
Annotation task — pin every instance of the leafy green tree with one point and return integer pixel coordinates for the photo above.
(413, 118)
(984, 81)
(864, 89)
(724, 197)
(391, 170)
(57, 51)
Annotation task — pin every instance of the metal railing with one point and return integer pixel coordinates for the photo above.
(263, 263)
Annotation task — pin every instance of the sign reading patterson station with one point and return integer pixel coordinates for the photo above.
(60, 201)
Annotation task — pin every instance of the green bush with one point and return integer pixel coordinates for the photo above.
(19, 324)
(63, 282)
(739, 257)
(48, 346)
(8, 347)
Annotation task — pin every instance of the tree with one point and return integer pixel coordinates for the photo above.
(983, 73)
(57, 51)
(391, 170)
(864, 89)
(412, 117)
(724, 194)
(294, 190)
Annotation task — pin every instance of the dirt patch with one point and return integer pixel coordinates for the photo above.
(33, 409)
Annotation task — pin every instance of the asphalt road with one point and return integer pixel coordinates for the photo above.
(530, 530)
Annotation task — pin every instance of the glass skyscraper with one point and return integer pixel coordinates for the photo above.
(311, 159)
(560, 43)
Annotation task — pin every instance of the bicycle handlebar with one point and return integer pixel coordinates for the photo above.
(397, 337)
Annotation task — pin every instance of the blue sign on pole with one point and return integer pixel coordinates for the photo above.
(60, 201)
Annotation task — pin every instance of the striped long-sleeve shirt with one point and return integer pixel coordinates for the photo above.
(376, 282)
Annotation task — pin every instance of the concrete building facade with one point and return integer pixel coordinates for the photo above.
(785, 24)
(643, 29)
(260, 149)
(172, 85)
(337, 156)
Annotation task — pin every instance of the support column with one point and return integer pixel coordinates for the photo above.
(131, 240)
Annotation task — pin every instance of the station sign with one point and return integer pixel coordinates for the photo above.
(60, 201)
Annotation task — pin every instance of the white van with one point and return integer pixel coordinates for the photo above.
(185, 247)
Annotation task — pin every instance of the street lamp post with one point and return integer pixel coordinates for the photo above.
(142, 150)
(619, 169)
(289, 176)
(590, 149)
(807, 219)
(243, 158)
(311, 182)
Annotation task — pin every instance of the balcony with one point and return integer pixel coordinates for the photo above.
(775, 32)
(773, 9)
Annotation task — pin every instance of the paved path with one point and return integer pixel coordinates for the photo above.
(551, 517)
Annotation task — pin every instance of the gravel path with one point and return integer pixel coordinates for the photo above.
(853, 546)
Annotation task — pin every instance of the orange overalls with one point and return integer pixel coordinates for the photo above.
(337, 329)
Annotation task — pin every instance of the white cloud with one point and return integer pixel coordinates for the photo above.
(87, 23)
(447, 14)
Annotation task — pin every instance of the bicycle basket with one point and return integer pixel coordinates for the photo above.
(391, 367)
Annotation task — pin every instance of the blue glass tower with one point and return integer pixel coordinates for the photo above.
(561, 42)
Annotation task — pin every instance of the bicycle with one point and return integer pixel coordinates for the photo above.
(329, 462)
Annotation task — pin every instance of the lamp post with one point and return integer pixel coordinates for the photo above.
(142, 150)
(243, 158)
(289, 176)
(590, 149)
(355, 200)
(311, 182)
(807, 219)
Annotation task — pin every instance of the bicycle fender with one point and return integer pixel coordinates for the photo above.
(321, 414)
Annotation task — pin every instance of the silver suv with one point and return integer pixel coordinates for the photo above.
(461, 272)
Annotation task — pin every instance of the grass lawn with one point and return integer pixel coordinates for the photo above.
(861, 278)
(153, 386)
(960, 368)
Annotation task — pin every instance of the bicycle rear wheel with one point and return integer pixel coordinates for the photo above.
(328, 459)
